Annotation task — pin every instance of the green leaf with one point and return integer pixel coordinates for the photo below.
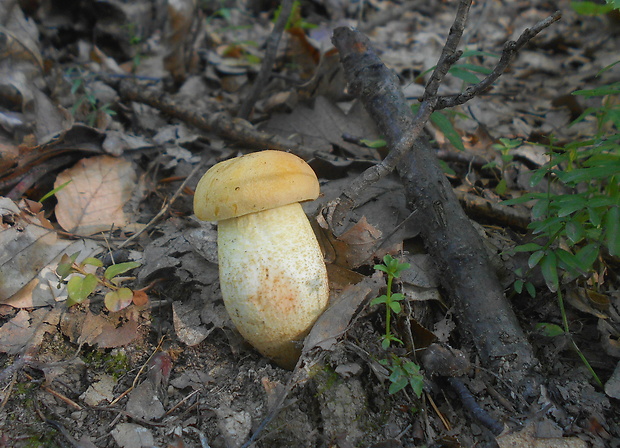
(93, 262)
(79, 288)
(444, 124)
(586, 256)
(612, 231)
(385, 343)
(574, 231)
(373, 143)
(464, 75)
(445, 168)
(400, 268)
(120, 268)
(395, 306)
(537, 176)
(398, 384)
(569, 262)
(549, 330)
(535, 258)
(380, 267)
(411, 368)
(591, 173)
(501, 187)
(119, 299)
(529, 247)
(540, 209)
(531, 289)
(595, 216)
(65, 265)
(379, 300)
(571, 205)
(55, 190)
(549, 268)
(470, 53)
(611, 89)
(397, 297)
(474, 68)
(518, 286)
(417, 384)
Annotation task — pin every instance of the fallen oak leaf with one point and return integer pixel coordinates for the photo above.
(93, 202)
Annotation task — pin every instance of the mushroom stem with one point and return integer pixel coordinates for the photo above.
(273, 279)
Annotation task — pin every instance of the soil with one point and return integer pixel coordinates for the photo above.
(188, 379)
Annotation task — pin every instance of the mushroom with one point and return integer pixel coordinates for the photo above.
(272, 274)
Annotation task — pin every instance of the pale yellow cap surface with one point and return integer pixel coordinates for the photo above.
(253, 183)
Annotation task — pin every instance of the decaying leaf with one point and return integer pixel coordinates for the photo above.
(334, 321)
(26, 330)
(31, 252)
(82, 326)
(323, 125)
(94, 200)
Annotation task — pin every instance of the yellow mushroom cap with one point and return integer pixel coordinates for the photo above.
(253, 183)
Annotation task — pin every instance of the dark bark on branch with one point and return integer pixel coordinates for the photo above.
(467, 273)
(510, 50)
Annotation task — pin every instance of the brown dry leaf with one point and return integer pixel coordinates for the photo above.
(51, 120)
(323, 126)
(335, 320)
(94, 199)
(26, 330)
(106, 331)
(30, 255)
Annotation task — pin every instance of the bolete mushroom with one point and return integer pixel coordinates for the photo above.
(272, 274)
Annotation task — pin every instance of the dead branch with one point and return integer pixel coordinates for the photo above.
(236, 130)
(510, 50)
(479, 207)
(467, 273)
(359, 60)
(271, 49)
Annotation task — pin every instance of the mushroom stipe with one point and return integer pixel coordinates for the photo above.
(272, 274)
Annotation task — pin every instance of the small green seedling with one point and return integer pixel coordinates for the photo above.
(404, 373)
(505, 147)
(392, 267)
(81, 286)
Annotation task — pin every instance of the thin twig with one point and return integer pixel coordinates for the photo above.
(235, 130)
(449, 54)
(392, 115)
(271, 50)
(510, 50)
(166, 206)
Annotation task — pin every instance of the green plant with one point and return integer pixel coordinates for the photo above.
(505, 147)
(588, 8)
(84, 283)
(52, 192)
(392, 267)
(86, 98)
(295, 20)
(115, 363)
(403, 373)
(574, 229)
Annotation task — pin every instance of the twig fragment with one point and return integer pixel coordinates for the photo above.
(232, 129)
(510, 50)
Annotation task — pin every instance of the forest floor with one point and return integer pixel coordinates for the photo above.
(164, 366)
